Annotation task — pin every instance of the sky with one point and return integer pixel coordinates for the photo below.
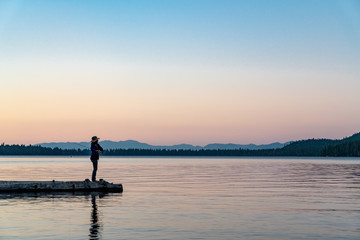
(181, 71)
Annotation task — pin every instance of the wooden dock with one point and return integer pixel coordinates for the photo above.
(59, 186)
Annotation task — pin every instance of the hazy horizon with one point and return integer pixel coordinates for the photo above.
(172, 72)
(125, 140)
(166, 144)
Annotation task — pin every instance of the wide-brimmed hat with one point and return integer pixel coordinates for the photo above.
(94, 139)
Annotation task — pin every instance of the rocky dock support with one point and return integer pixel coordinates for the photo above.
(59, 186)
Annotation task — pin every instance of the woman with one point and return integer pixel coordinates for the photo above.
(95, 148)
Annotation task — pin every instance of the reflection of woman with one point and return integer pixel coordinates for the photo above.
(95, 225)
(95, 148)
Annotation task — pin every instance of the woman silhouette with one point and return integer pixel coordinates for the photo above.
(95, 148)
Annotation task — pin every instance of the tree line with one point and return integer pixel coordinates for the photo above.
(39, 150)
(347, 147)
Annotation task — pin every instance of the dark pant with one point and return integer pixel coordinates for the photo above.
(95, 166)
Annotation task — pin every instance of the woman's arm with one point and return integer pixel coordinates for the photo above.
(100, 148)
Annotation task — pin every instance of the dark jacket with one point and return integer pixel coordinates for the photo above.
(95, 148)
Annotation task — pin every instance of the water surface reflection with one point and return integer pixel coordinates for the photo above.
(95, 223)
(188, 198)
(55, 204)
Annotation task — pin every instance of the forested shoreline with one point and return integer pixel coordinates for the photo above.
(16, 149)
(347, 147)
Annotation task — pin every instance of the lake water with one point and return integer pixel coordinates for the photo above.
(187, 198)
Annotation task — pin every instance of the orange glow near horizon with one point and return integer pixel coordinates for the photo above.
(160, 78)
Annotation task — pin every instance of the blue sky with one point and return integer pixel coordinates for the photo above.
(165, 71)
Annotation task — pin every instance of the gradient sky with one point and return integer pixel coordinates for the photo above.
(169, 72)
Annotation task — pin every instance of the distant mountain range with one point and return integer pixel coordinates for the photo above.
(132, 144)
(346, 147)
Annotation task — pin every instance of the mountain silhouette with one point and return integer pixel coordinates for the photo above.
(132, 144)
(346, 147)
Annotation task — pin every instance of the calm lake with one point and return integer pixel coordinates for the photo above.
(187, 198)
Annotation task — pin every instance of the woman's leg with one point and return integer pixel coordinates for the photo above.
(95, 166)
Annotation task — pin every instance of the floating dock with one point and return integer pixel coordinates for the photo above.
(59, 186)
